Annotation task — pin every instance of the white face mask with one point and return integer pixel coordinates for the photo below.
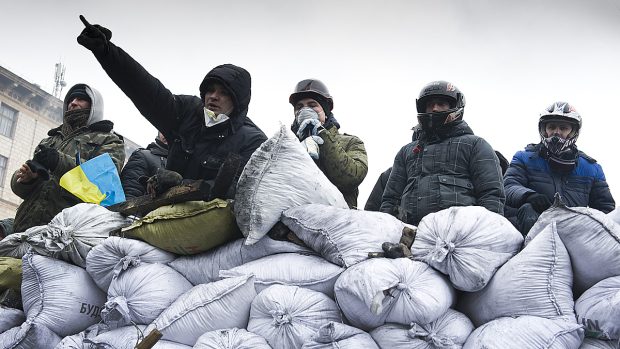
(211, 119)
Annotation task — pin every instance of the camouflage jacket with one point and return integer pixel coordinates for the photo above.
(44, 199)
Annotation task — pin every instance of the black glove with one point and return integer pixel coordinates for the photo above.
(162, 181)
(46, 157)
(39, 169)
(526, 217)
(95, 38)
(540, 202)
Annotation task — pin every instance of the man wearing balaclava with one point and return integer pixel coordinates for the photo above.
(83, 135)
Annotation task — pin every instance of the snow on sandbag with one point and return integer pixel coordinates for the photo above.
(107, 260)
(466, 243)
(598, 309)
(591, 238)
(140, 294)
(342, 236)
(126, 338)
(337, 335)
(207, 307)
(591, 343)
(29, 336)
(76, 341)
(287, 316)
(526, 332)
(17, 245)
(449, 331)
(279, 175)
(233, 338)
(293, 269)
(10, 318)
(10, 273)
(59, 295)
(75, 230)
(537, 282)
(402, 291)
(205, 267)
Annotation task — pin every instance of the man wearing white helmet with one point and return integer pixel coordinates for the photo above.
(555, 166)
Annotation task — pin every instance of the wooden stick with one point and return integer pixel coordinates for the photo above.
(150, 340)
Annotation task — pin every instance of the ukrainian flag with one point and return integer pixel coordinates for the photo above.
(95, 181)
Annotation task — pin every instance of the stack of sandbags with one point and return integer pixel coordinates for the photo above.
(598, 309)
(126, 338)
(233, 338)
(337, 335)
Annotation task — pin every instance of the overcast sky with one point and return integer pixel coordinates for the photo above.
(510, 58)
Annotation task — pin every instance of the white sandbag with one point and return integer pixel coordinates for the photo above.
(17, 245)
(59, 295)
(10, 318)
(591, 238)
(126, 338)
(526, 332)
(591, 343)
(466, 243)
(536, 282)
(76, 341)
(287, 316)
(615, 215)
(140, 294)
(115, 254)
(75, 230)
(207, 307)
(233, 338)
(292, 269)
(402, 291)
(337, 335)
(205, 267)
(341, 235)
(598, 309)
(279, 175)
(29, 336)
(449, 331)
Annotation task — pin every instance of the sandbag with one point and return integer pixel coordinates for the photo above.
(17, 245)
(615, 215)
(342, 236)
(279, 175)
(187, 228)
(76, 341)
(449, 331)
(287, 316)
(311, 272)
(107, 260)
(205, 267)
(59, 295)
(598, 309)
(591, 343)
(10, 318)
(337, 335)
(402, 291)
(233, 338)
(591, 238)
(126, 338)
(140, 294)
(29, 336)
(466, 243)
(10, 273)
(526, 332)
(207, 307)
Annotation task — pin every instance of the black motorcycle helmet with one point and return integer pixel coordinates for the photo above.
(434, 121)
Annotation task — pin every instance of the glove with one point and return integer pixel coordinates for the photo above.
(162, 181)
(95, 38)
(46, 157)
(39, 169)
(526, 217)
(309, 127)
(540, 202)
(304, 114)
(311, 144)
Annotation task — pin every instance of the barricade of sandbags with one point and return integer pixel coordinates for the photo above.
(115, 254)
(10, 318)
(205, 267)
(341, 235)
(526, 332)
(598, 309)
(376, 291)
(337, 335)
(186, 228)
(279, 175)
(466, 243)
(17, 245)
(140, 294)
(292, 269)
(207, 307)
(591, 343)
(591, 238)
(126, 338)
(10, 273)
(29, 336)
(450, 330)
(233, 338)
(537, 282)
(287, 316)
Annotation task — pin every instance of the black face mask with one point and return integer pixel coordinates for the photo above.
(564, 161)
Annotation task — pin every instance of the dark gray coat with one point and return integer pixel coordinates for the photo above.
(142, 163)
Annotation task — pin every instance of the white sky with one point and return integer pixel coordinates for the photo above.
(510, 58)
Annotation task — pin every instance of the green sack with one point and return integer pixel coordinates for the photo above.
(187, 228)
(10, 273)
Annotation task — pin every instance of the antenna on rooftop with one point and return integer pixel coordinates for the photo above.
(59, 80)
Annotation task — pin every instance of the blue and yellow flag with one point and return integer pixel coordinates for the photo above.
(95, 181)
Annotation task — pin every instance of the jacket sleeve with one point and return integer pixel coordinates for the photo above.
(395, 184)
(486, 176)
(600, 195)
(345, 165)
(24, 190)
(110, 144)
(374, 200)
(136, 167)
(516, 181)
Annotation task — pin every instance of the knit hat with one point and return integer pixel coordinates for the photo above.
(79, 92)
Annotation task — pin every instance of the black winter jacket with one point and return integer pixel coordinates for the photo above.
(374, 200)
(142, 163)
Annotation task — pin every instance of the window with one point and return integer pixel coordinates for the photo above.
(3, 163)
(8, 117)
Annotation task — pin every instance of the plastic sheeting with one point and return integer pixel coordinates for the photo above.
(233, 338)
(598, 309)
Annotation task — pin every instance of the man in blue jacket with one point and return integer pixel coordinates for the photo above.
(555, 166)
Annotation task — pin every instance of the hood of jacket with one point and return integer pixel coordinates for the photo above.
(237, 81)
(96, 104)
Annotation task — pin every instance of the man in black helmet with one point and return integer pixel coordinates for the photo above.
(202, 131)
(555, 166)
(446, 166)
(341, 157)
